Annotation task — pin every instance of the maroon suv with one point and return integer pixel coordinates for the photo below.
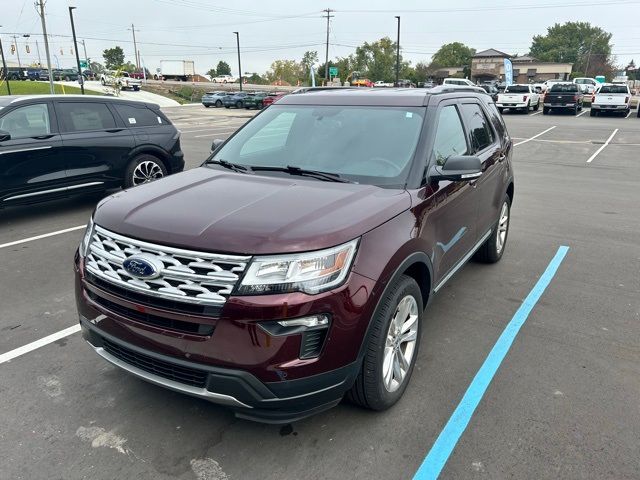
(294, 265)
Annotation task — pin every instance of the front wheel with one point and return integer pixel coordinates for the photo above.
(218, 103)
(545, 111)
(500, 109)
(593, 113)
(537, 107)
(392, 348)
(144, 168)
(491, 251)
(238, 104)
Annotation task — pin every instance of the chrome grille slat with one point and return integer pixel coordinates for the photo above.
(188, 276)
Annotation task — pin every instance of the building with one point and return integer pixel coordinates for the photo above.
(488, 65)
(446, 72)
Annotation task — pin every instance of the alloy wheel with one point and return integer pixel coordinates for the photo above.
(146, 172)
(503, 227)
(400, 344)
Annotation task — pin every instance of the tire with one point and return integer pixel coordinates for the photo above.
(638, 111)
(218, 103)
(224, 81)
(491, 251)
(545, 111)
(136, 89)
(227, 106)
(369, 389)
(260, 106)
(206, 106)
(593, 113)
(239, 104)
(143, 165)
(537, 107)
(527, 108)
(575, 110)
(500, 109)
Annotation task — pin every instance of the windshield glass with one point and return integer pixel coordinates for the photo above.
(365, 144)
(517, 89)
(613, 89)
(564, 87)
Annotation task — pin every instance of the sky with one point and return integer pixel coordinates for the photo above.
(202, 30)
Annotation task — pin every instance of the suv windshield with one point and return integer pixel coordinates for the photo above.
(365, 144)
(564, 87)
(517, 89)
(614, 89)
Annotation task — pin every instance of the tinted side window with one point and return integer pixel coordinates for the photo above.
(450, 138)
(139, 116)
(481, 133)
(85, 116)
(27, 121)
(498, 122)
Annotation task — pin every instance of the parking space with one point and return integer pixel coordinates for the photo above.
(563, 403)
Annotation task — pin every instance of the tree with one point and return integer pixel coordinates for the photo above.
(113, 57)
(377, 60)
(223, 68)
(454, 54)
(587, 47)
(308, 60)
(284, 70)
(255, 79)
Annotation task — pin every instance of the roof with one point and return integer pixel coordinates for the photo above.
(392, 97)
(9, 99)
(524, 58)
(491, 52)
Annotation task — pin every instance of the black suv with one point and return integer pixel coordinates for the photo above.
(54, 146)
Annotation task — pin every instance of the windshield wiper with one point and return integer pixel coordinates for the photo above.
(236, 167)
(326, 176)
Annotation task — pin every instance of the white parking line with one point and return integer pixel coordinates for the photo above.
(45, 235)
(537, 113)
(30, 347)
(535, 136)
(603, 146)
(628, 114)
(583, 112)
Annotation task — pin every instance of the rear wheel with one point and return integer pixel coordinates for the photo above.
(537, 107)
(491, 251)
(239, 104)
(545, 111)
(575, 110)
(144, 168)
(218, 103)
(392, 347)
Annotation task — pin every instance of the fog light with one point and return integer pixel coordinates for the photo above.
(309, 322)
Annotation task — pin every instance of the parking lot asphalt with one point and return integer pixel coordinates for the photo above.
(564, 403)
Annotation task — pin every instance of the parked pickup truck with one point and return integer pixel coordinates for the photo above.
(518, 97)
(122, 79)
(563, 96)
(611, 98)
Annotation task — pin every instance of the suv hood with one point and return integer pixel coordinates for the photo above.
(210, 210)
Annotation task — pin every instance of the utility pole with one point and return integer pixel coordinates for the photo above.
(398, 55)
(86, 59)
(15, 41)
(4, 67)
(326, 58)
(135, 46)
(239, 66)
(40, 6)
(75, 47)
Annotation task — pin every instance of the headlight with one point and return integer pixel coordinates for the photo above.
(311, 272)
(86, 239)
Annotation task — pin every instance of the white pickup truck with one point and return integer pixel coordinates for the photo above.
(519, 97)
(122, 79)
(611, 97)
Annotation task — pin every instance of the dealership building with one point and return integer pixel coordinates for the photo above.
(488, 65)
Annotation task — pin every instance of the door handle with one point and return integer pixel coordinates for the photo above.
(43, 137)
(502, 158)
(114, 130)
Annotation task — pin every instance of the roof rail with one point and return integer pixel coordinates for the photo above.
(440, 89)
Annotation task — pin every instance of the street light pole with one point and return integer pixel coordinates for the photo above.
(4, 67)
(239, 66)
(38, 50)
(40, 5)
(398, 54)
(75, 47)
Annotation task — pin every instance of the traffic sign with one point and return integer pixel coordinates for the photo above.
(83, 64)
(333, 71)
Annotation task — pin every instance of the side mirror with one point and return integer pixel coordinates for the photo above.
(216, 144)
(4, 136)
(457, 168)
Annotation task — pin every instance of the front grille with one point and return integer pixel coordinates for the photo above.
(186, 375)
(186, 276)
(155, 320)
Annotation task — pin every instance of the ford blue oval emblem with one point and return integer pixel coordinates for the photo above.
(142, 267)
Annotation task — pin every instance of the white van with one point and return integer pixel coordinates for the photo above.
(461, 82)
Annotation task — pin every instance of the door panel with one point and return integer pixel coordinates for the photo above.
(31, 162)
(96, 147)
(448, 210)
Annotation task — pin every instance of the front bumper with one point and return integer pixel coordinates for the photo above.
(277, 402)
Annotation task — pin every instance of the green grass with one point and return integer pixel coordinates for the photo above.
(23, 87)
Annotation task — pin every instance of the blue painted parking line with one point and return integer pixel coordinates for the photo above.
(455, 427)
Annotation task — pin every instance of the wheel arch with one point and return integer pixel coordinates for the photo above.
(153, 150)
